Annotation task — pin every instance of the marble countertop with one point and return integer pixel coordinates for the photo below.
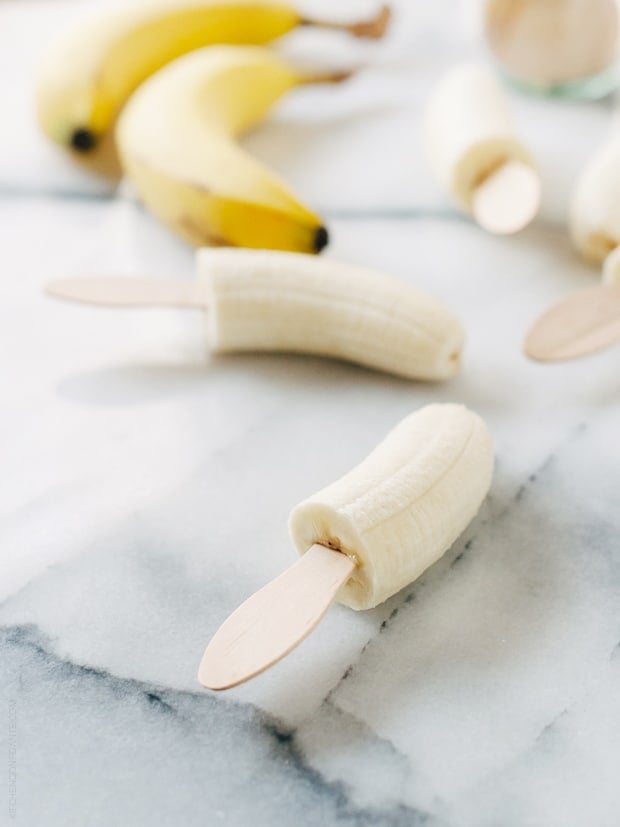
(145, 490)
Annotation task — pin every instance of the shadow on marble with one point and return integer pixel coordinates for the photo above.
(129, 384)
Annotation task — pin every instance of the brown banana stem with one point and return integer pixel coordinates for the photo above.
(327, 76)
(373, 29)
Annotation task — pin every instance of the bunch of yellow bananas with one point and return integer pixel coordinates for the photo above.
(104, 95)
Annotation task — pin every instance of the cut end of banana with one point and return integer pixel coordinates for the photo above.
(508, 199)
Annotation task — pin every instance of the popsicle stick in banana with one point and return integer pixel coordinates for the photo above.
(258, 300)
(475, 153)
(275, 619)
(363, 538)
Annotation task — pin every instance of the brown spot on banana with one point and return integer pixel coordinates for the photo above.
(201, 236)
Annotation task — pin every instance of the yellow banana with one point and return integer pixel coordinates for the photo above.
(88, 76)
(176, 140)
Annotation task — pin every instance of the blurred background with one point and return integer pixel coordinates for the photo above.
(315, 138)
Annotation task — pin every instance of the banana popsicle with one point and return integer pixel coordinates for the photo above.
(363, 538)
(475, 153)
(398, 511)
(260, 300)
(587, 321)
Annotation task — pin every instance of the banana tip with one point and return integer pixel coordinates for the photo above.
(82, 140)
(321, 239)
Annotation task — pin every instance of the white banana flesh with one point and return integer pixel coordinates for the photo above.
(398, 511)
(262, 300)
(468, 132)
(177, 142)
(595, 205)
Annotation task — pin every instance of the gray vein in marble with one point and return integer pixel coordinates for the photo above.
(534, 476)
(23, 192)
(547, 737)
(336, 213)
(35, 666)
(540, 474)
(333, 213)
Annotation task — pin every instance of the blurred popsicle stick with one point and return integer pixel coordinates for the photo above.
(111, 291)
(581, 324)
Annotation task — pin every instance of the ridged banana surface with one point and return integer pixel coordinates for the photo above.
(263, 300)
(177, 142)
(88, 75)
(595, 205)
(468, 131)
(404, 505)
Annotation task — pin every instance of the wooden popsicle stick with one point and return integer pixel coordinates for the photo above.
(275, 619)
(114, 291)
(507, 199)
(579, 325)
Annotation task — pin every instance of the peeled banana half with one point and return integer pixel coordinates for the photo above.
(177, 142)
(89, 74)
(267, 301)
(404, 505)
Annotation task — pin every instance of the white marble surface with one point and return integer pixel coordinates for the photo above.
(145, 490)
